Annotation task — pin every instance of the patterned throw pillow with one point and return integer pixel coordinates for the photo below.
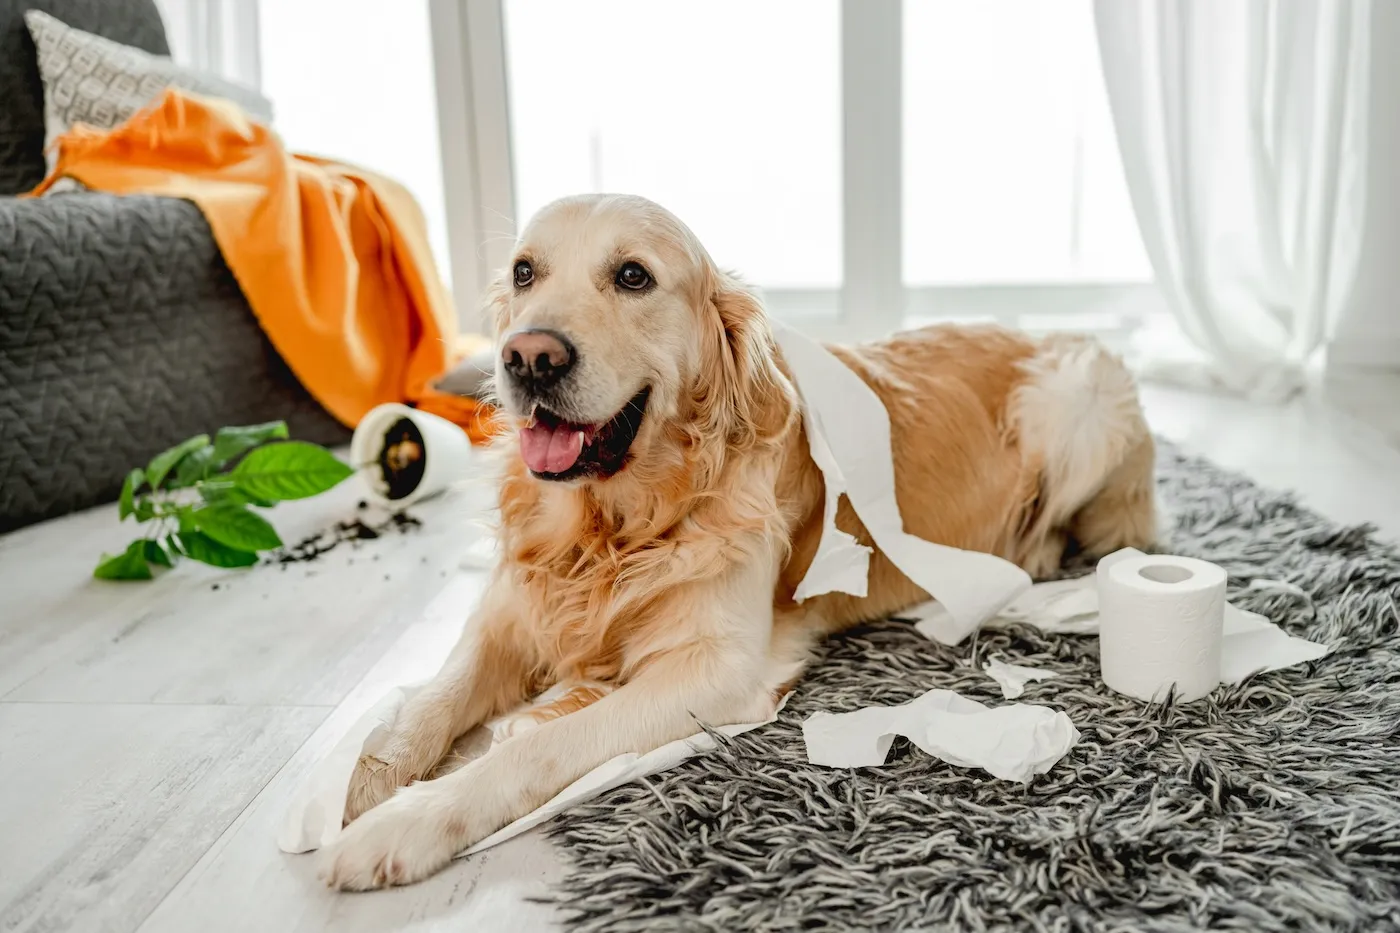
(92, 80)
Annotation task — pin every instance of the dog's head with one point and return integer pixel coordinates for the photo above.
(619, 340)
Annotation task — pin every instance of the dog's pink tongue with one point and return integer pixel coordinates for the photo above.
(550, 450)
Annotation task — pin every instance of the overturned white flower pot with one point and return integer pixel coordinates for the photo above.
(405, 455)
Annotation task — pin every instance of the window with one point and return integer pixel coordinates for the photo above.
(869, 163)
(727, 113)
(352, 80)
(1011, 172)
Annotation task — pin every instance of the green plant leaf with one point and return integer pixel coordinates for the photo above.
(156, 553)
(196, 545)
(193, 467)
(144, 509)
(288, 470)
(126, 505)
(165, 461)
(226, 493)
(185, 516)
(128, 565)
(230, 442)
(235, 526)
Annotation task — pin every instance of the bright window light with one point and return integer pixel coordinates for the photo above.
(1011, 169)
(727, 112)
(352, 80)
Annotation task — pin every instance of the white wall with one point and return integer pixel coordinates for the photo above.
(1368, 330)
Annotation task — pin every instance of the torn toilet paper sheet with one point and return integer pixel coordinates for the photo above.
(1059, 606)
(1251, 643)
(1013, 742)
(1013, 677)
(848, 432)
(314, 818)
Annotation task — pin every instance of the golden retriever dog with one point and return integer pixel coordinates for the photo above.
(658, 507)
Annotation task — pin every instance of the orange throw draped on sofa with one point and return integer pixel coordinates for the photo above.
(333, 259)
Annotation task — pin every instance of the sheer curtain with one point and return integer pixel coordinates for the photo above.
(218, 36)
(1242, 130)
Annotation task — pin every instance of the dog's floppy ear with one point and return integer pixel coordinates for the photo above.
(495, 303)
(748, 398)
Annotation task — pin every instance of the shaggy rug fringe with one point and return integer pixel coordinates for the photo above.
(1274, 804)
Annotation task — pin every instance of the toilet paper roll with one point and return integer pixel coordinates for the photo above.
(1161, 621)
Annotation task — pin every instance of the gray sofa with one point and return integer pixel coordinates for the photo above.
(122, 331)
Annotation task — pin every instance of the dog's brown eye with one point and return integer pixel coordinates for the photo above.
(633, 276)
(524, 274)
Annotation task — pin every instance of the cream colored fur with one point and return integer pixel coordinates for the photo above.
(669, 585)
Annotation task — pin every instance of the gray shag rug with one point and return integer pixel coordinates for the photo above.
(1273, 804)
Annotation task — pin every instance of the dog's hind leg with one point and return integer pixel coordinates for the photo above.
(1082, 430)
(1124, 512)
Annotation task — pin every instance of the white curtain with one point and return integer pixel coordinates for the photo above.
(1242, 129)
(217, 36)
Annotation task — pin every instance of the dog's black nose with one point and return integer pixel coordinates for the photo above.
(538, 358)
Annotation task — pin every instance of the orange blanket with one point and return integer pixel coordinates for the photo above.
(333, 259)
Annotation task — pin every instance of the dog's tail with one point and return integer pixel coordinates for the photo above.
(1082, 429)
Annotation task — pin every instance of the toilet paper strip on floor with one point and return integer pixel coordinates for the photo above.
(1012, 678)
(1013, 742)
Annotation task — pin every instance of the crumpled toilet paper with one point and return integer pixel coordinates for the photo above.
(1014, 742)
(1012, 678)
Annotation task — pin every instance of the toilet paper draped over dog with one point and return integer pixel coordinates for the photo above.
(848, 432)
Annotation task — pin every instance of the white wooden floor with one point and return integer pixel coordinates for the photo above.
(150, 734)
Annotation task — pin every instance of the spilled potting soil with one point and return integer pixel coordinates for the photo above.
(355, 530)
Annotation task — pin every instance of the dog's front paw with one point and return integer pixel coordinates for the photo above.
(373, 782)
(403, 840)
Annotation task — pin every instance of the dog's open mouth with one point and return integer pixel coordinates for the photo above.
(556, 449)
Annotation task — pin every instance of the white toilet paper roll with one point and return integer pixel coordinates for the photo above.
(1160, 623)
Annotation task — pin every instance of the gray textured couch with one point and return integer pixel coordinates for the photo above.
(122, 331)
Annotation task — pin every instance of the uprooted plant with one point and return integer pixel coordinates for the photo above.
(197, 498)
